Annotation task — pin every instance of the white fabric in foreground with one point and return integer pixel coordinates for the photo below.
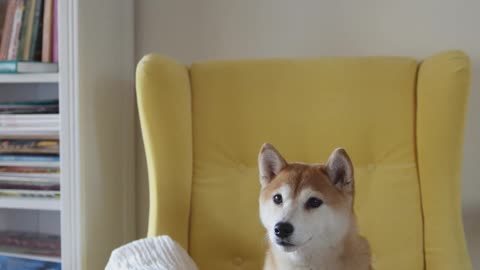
(155, 253)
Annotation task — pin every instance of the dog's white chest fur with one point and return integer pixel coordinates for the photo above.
(321, 260)
(291, 261)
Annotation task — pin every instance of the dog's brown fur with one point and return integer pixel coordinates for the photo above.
(353, 251)
(300, 176)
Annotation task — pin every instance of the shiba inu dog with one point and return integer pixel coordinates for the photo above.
(307, 211)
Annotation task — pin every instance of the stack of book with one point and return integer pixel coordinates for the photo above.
(29, 36)
(8, 263)
(30, 243)
(29, 149)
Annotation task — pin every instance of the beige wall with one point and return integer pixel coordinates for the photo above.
(191, 30)
(101, 110)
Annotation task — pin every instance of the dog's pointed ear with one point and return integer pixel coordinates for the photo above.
(270, 163)
(340, 170)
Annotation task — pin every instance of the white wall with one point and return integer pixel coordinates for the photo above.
(104, 100)
(191, 30)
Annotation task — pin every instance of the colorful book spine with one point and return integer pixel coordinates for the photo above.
(8, 66)
(30, 103)
(47, 31)
(29, 29)
(14, 66)
(47, 187)
(28, 123)
(27, 264)
(38, 243)
(7, 29)
(17, 25)
(29, 170)
(30, 193)
(36, 30)
(28, 158)
(55, 32)
(23, 29)
(3, 8)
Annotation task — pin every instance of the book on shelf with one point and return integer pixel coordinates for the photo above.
(29, 146)
(3, 6)
(29, 185)
(46, 130)
(30, 107)
(19, 122)
(31, 16)
(49, 164)
(36, 43)
(30, 117)
(16, 27)
(29, 149)
(45, 194)
(9, 13)
(22, 29)
(47, 37)
(29, 179)
(28, 36)
(28, 137)
(40, 174)
(26, 177)
(27, 109)
(33, 243)
(29, 170)
(15, 66)
(30, 158)
(29, 176)
(55, 32)
(12, 262)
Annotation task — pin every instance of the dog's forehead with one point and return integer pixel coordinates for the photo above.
(299, 177)
(305, 176)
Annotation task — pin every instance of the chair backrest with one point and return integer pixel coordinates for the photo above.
(400, 121)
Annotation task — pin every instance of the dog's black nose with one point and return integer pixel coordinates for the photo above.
(283, 229)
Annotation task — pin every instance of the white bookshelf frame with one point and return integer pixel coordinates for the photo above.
(68, 97)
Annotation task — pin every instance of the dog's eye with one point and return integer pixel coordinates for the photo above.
(313, 203)
(277, 199)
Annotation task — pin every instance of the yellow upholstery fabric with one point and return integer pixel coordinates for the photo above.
(168, 142)
(443, 84)
(203, 126)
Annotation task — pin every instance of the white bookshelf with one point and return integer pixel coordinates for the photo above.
(30, 214)
(95, 87)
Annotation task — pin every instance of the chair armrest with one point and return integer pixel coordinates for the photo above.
(164, 104)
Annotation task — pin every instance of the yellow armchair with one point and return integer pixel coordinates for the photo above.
(400, 120)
